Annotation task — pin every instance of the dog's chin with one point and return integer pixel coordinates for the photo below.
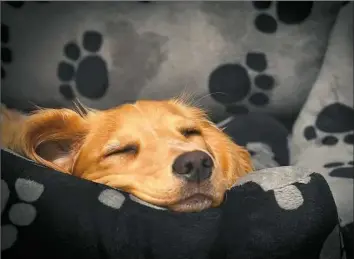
(195, 197)
(194, 203)
(191, 197)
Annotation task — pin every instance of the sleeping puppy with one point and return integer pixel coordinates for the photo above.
(166, 153)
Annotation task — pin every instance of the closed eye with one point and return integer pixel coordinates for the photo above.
(131, 149)
(189, 132)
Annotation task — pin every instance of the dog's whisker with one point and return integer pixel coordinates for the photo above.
(185, 98)
(81, 109)
(197, 102)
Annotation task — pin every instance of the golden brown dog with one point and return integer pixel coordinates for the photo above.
(164, 152)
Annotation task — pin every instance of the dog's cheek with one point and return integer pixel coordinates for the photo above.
(246, 161)
(223, 160)
(217, 147)
(243, 161)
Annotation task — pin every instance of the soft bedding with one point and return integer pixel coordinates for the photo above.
(283, 212)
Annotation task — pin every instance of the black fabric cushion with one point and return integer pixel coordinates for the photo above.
(263, 135)
(47, 214)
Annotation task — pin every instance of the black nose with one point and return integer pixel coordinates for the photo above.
(194, 166)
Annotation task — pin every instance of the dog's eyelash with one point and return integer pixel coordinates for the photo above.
(129, 149)
(190, 132)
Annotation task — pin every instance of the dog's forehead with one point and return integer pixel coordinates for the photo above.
(159, 107)
(152, 111)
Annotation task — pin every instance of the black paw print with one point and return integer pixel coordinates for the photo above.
(288, 12)
(335, 118)
(341, 170)
(6, 53)
(87, 70)
(231, 84)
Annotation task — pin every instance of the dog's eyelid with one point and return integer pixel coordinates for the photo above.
(192, 131)
(131, 148)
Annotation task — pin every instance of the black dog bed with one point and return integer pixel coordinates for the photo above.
(282, 212)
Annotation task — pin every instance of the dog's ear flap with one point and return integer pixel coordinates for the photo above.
(53, 137)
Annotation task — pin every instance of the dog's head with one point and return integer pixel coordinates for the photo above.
(164, 152)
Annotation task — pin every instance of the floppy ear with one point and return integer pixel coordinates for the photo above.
(53, 137)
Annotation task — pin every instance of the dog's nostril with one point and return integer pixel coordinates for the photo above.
(207, 162)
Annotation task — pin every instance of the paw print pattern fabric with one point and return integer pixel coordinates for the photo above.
(252, 82)
(47, 214)
(20, 214)
(323, 135)
(236, 58)
(87, 74)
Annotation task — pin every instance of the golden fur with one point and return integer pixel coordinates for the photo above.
(130, 147)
